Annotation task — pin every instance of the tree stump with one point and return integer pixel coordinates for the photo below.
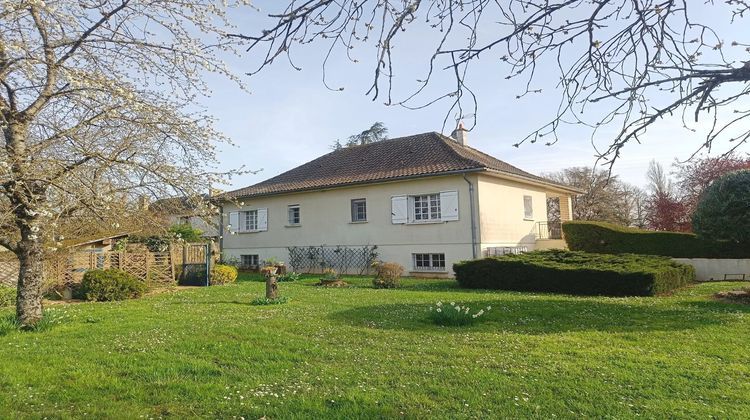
(272, 288)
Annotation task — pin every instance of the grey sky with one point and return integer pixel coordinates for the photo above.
(290, 117)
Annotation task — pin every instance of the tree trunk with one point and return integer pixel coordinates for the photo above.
(29, 294)
(272, 288)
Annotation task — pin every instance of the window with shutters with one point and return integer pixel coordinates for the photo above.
(426, 207)
(359, 210)
(429, 262)
(249, 220)
(528, 208)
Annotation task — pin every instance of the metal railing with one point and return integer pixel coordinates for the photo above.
(549, 230)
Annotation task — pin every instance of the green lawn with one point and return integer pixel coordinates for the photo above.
(366, 353)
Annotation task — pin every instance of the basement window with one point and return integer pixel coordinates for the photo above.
(429, 262)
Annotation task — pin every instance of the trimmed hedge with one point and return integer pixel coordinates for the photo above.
(110, 285)
(576, 273)
(606, 238)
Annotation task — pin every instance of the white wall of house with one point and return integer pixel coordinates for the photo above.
(325, 219)
(502, 215)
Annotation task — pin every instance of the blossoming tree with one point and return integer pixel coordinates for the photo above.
(97, 108)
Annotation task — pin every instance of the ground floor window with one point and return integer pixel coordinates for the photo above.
(249, 260)
(429, 262)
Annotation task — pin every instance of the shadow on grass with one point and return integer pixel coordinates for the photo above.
(546, 316)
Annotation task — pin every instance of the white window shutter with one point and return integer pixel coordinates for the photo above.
(234, 221)
(399, 210)
(449, 205)
(263, 219)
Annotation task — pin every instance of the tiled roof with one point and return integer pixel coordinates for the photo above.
(405, 157)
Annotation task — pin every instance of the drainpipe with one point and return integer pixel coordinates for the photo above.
(473, 219)
(221, 231)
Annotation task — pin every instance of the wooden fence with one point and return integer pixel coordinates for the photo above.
(155, 268)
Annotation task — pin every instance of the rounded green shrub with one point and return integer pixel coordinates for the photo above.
(723, 212)
(109, 285)
(7, 296)
(223, 274)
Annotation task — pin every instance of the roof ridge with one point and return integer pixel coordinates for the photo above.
(452, 145)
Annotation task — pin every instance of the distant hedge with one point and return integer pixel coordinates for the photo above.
(577, 273)
(606, 238)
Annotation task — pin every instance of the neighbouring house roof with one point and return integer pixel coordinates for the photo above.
(76, 242)
(179, 206)
(420, 155)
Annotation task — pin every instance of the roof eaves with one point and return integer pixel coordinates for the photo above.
(538, 181)
(355, 183)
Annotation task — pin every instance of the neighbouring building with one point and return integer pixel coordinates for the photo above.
(197, 212)
(425, 200)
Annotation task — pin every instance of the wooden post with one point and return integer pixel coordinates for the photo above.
(148, 278)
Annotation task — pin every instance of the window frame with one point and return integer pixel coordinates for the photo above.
(355, 210)
(530, 215)
(425, 208)
(289, 218)
(250, 257)
(247, 222)
(435, 261)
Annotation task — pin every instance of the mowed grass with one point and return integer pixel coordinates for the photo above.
(365, 353)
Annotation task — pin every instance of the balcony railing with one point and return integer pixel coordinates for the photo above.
(549, 230)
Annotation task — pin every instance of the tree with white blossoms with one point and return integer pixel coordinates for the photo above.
(95, 109)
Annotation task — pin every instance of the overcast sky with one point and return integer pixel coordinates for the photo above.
(289, 117)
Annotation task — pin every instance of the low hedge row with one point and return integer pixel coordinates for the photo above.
(577, 273)
(606, 238)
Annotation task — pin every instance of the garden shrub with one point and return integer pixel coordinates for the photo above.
(387, 275)
(724, 210)
(111, 284)
(454, 314)
(577, 273)
(606, 238)
(223, 274)
(330, 274)
(7, 296)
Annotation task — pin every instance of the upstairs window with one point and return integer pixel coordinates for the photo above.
(294, 214)
(249, 220)
(528, 208)
(359, 210)
(429, 262)
(426, 207)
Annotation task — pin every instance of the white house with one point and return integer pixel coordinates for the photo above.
(425, 200)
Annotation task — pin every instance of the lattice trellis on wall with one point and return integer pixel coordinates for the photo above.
(343, 259)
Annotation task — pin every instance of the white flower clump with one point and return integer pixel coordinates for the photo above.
(460, 311)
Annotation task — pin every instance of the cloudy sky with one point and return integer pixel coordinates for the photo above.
(289, 117)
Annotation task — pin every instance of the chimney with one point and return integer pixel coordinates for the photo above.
(460, 134)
